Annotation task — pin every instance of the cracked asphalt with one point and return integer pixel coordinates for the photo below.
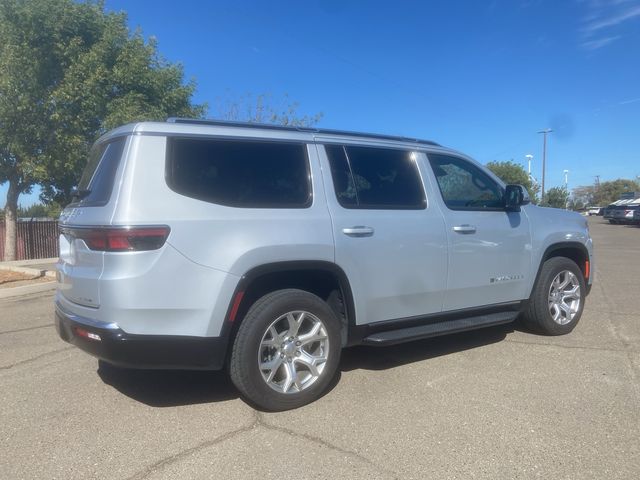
(496, 403)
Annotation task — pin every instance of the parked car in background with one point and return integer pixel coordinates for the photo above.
(608, 211)
(636, 216)
(594, 211)
(623, 213)
(616, 213)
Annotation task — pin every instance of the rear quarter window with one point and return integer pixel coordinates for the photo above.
(250, 174)
(99, 175)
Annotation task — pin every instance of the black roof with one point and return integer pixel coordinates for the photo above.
(225, 123)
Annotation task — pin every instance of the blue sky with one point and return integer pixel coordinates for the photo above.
(480, 76)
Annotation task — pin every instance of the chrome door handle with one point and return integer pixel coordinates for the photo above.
(358, 231)
(464, 229)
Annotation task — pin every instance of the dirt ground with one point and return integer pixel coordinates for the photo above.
(9, 279)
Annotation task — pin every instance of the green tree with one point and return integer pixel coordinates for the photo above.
(610, 191)
(36, 210)
(70, 72)
(39, 210)
(606, 192)
(576, 204)
(511, 172)
(556, 197)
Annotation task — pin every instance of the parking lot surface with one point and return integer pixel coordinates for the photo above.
(495, 403)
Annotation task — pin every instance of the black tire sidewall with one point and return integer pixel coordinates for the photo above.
(244, 357)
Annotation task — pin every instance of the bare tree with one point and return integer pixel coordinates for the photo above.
(263, 108)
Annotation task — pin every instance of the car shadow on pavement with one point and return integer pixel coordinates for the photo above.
(169, 388)
(382, 358)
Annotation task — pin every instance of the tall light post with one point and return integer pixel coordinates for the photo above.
(544, 157)
(566, 187)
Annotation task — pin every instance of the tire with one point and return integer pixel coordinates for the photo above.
(295, 336)
(559, 293)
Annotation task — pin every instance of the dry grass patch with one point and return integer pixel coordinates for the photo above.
(16, 279)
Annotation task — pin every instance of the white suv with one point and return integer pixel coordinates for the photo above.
(199, 244)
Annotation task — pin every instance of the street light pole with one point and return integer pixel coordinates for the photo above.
(544, 157)
(566, 187)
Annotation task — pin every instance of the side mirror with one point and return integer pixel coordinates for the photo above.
(514, 197)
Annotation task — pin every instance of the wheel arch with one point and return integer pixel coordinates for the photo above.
(575, 251)
(319, 277)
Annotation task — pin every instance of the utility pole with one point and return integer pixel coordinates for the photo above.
(544, 157)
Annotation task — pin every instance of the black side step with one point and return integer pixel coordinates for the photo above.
(409, 334)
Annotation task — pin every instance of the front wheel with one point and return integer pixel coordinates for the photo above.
(557, 300)
(286, 351)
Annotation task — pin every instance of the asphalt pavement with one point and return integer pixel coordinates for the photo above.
(499, 403)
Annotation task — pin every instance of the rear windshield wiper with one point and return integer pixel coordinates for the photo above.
(79, 193)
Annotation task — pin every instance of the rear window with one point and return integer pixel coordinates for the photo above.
(250, 174)
(375, 178)
(99, 174)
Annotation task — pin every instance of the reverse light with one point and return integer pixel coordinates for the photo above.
(120, 239)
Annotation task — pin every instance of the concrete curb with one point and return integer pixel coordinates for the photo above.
(26, 289)
(18, 266)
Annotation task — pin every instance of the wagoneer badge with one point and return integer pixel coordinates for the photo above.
(505, 278)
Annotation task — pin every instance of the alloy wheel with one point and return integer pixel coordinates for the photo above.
(293, 352)
(564, 297)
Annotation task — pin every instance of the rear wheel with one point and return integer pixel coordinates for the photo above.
(557, 300)
(286, 351)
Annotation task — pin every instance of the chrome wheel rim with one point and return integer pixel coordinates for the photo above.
(293, 352)
(564, 297)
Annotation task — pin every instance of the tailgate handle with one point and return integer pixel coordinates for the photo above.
(358, 231)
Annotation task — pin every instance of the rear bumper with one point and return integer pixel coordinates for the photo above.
(108, 342)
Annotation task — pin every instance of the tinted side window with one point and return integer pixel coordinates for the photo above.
(240, 173)
(375, 178)
(465, 186)
(99, 174)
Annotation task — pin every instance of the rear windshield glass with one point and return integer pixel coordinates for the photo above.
(98, 177)
(240, 173)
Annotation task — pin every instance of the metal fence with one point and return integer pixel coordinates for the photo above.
(36, 239)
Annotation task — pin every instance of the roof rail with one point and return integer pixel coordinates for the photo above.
(267, 126)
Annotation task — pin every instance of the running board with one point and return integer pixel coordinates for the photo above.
(409, 334)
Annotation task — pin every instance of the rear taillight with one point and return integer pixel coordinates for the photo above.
(120, 239)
